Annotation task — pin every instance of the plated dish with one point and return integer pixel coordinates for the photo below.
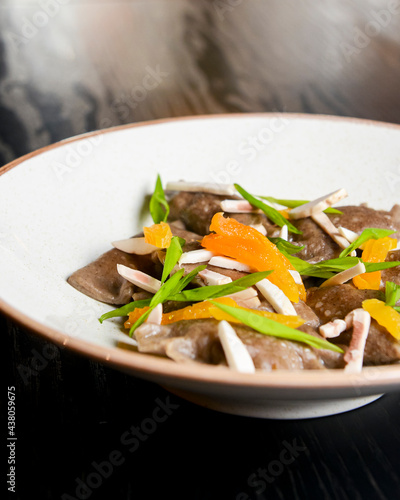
(227, 278)
(42, 247)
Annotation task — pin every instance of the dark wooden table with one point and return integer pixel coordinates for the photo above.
(68, 67)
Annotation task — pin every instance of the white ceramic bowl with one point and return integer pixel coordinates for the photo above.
(62, 206)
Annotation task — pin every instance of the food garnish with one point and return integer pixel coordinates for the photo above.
(331, 267)
(297, 203)
(251, 279)
(215, 291)
(270, 327)
(136, 246)
(269, 211)
(168, 287)
(237, 355)
(326, 224)
(385, 315)
(392, 295)
(201, 187)
(360, 321)
(208, 309)
(374, 251)
(172, 256)
(249, 246)
(367, 234)
(159, 235)
(346, 275)
(318, 205)
(158, 206)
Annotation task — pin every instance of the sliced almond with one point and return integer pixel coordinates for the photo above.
(140, 279)
(136, 246)
(195, 256)
(212, 278)
(318, 205)
(274, 295)
(155, 316)
(284, 233)
(260, 228)
(296, 276)
(238, 207)
(350, 235)
(202, 187)
(237, 355)
(227, 263)
(327, 225)
(346, 275)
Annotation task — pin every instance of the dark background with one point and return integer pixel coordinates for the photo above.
(68, 67)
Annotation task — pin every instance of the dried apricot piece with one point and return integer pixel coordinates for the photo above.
(159, 235)
(374, 251)
(200, 310)
(248, 246)
(134, 315)
(385, 315)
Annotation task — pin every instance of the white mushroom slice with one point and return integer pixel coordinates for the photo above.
(284, 233)
(350, 235)
(237, 355)
(227, 263)
(355, 354)
(326, 224)
(333, 328)
(346, 275)
(155, 316)
(137, 246)
(202, 187)
(296, 276)
(276, 298)
(140, 279)
(195, 256)
(260, 228)
(318, 205)
(212, 278)
(238, 207)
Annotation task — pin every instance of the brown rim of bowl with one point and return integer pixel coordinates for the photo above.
(151, 367)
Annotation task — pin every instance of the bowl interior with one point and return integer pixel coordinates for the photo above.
(63, 206)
